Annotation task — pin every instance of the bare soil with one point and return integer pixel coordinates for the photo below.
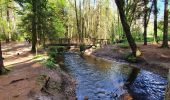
(153, 57)
(21, 83)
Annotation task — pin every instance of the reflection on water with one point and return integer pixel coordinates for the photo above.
(148, 86)
(103, 80)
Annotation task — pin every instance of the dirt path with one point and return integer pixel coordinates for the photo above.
(21, 83)
(17, 84)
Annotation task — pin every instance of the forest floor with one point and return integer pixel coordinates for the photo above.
(153, 57)
(21, 83)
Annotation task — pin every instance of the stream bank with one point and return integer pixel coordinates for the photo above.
(153, 58)
(100, 79)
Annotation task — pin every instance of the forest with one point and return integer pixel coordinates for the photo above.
(84, 49)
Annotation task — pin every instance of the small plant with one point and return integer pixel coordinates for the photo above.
(50, 63)
(82, 47)
(54, 51)
(60, 49)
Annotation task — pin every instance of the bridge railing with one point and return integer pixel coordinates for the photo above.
(86, 41)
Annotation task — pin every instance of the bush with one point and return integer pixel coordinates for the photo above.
(55, 51)
(82, 47)
(2, 36)
(60, 49)
(17, 37)
(50, 63)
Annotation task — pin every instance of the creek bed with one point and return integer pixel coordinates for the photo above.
(98, 79)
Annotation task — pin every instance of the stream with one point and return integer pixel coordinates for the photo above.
(98, 79)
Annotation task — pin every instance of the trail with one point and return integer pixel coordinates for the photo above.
(17, 84)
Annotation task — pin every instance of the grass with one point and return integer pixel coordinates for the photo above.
(123, 45)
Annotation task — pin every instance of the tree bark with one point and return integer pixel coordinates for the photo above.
(77, 19)
(155, 21)
(145, 23)
(146, 19)
(34, 27)
(165, 34)
(9, 15)
(126, 28)
(1, 61)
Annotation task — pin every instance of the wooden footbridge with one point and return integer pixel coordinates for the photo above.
(77, 42)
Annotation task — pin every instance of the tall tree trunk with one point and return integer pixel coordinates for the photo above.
(145, 30)
(8, 13)
(34, 27)
(1, 61)
(146, 19)
(145, 23)
(155, 21)
(165, 34)
(134, 48)
(77, 19)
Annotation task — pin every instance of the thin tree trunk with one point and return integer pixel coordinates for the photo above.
(167, 92)
(146, 20)
(1, 61)
(165, 34)
(78, 23)
(145, 25)
(126, 28)
(8, 13)
(155, 21)
(34, 27)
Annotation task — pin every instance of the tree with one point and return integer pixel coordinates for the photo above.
(165, 33)
(34, 26)
(134, 48)
(147, 13)
(1, 61)
(77, 20)
(155, 21)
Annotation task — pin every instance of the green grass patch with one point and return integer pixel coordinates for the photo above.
(123, 45)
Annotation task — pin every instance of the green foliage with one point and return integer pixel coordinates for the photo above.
(2, 36)
(82, 47)
(50, 21)
(17, 37)
(54, 51)
(50, 63)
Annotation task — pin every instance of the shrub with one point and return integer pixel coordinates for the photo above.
(60, 49)
(50, 63)
(17, 37)
(82, 47)
(55, 51)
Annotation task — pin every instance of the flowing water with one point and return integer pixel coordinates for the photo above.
(98, 79)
